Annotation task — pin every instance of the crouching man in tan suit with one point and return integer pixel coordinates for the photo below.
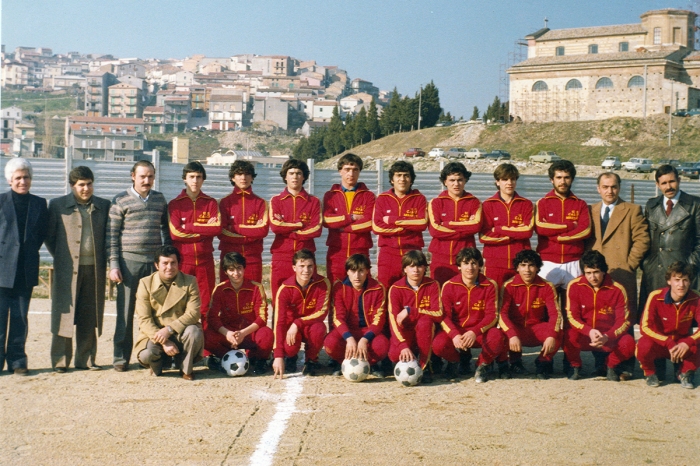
(167, 308)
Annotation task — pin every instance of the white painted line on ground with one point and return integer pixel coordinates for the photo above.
(265, 451)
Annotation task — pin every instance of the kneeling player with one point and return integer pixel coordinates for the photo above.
(238, 317)
(301, 305)
(469, 303)
(414, 309)
(359, 316)
(530, 314)
(666, 324)
(597, 310)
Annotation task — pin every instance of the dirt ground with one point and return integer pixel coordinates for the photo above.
(111, 418)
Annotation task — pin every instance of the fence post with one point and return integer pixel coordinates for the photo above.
(632, 193)
(69, 167)
(312, 178)
(442, 165)
(156, 165)
(380, 177)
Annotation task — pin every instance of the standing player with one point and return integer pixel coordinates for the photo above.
(399, 221)
(455, 216)
(414, 309)
(507, 227)
(244, 221)
(530, 314)
(347, 213)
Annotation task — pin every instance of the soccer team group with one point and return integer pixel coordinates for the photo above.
(577, 291)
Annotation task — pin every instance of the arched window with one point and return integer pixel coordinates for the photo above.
(539, 86)
(604, 83)
(574, 84)
(636, 81)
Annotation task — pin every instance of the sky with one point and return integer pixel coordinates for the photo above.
(463, 46)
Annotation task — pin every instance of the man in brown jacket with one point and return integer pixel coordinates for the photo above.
(167, 309)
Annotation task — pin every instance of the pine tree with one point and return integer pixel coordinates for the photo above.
(349, 132)
(373, 122)
(408, 114)
(475, 113)
(389, 121)
(360, 130)
(333, 142)
(430, 105)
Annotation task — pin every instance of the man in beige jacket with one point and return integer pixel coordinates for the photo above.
(167, 309)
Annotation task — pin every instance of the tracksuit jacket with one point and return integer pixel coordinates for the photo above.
(236, 310)
(506, 229)
(605, 310)
(189, 230)
(407, 221)
(668, 323)
(562, 225)
(423, 301)
(240, 212)
(363, 310)
(343, 235)
(302, 208)
(469, 308)
(450, 225)
(526, 305)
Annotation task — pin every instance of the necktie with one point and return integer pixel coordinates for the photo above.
(669, 207)
(604, 221)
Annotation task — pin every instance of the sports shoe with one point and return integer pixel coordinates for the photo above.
(612, 375)
(376, 370)
(310, 368)
(686, 379)
(213, 363)
(574, 373)
(625, 376)
(451, 372)
(290, 364)
(503, 370)
(652, 380)
(517, 368)
(260, 367)
(481, 376)
(427, 376)
(542, 370)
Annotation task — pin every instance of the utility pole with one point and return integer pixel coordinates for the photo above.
(670, 114)
(420, 102)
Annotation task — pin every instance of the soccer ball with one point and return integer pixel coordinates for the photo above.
(355, 370)
(235, 363)
(408, 373)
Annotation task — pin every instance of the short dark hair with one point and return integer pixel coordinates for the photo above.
(527, 256)
(303, 254)
(665, 169)
(605, 174)
(593, 260)
(468, 255)
(294, 163)
(142, 163)
(166, 251)
(194, 167)
(233, 260)
(454, 168)
(350, 159)
(506, 171)
(241, 167)
(562, 166)
(414, 257)
(680, 268)
(402, 166)
(80, 173)
(356, 262)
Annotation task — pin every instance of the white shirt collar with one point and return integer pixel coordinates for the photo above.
(144, 199)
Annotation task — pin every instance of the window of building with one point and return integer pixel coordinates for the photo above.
(123, 145)
(657, 36)
(137, 145)
(676, 35)
(593, 48)
(539, 86)
(636, 81)
(624, 47)
(573, 84)
(604, 83)
(559, 51)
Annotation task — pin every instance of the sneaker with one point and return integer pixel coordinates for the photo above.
(686, 379)
(625, 376)
(451, 371)
(213, 363)
(465, 362)
(376, 370)
(541, 372)
(517, 368)
(427, 376)
(652, 380)
(337, 372)
(612, 375)
(481, 375)
(574, 373)
(259, 367)
(334, 367)
(290, 364)
(503, 370)
(310, 368)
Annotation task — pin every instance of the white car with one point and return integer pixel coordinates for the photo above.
(475, 153)
(436, 152)
(638, 165)
(611, 163)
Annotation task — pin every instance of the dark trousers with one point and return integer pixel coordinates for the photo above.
(14, 307)
(132, 272)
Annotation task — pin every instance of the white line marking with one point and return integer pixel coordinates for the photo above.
(265, 451)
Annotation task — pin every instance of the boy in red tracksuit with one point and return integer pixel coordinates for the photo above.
(194, 222)
(301, 306)
(295, 219)
(598, 314)
(469, 301)
(244, 221)
(455, 216)
(237, 318)
(347, 213)
(359, 316)
(399, 220)
(666, 324)
(507, 227)
(414, 309)
(530, 314)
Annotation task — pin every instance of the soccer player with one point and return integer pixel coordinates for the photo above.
(194, 222)
(295, 219)
(301, 305)
(469, 301)
(455, 216)
(530, 314)
(414, 309)
(399, 220)
(359, 316)
(666, 324)
(244, 221)
(238, 317)
(598, 312)
(507, 227)
(347, 213)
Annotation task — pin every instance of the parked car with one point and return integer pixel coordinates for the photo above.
(681, 113)
(673, 162)
(638, 165)
(545, 156)
(611, 163)
(436, 152)
(456, 152)
(475, 153)
(414, 152)
(690, 170)
(444, 123)
(497, 155)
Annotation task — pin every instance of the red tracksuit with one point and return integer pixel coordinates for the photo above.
(402, 232)
(468, 309)
(345, 236)
(562, 225)
(453, 224)
(236, 310)
(244, 227)
(506, 231)
(666, 324)
(531, 313)
(193, 236)
(605, 310)
(307, 308)
(358, 314)
(416, 332)
(295, 221)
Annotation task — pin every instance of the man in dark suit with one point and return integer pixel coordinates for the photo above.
(23, 219)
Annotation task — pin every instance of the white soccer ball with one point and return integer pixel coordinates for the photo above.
(408, 373)
(355, 370)
(235, 363)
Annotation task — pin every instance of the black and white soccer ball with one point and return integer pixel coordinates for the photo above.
(408, 373)
(235, 363)
(355, 370)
